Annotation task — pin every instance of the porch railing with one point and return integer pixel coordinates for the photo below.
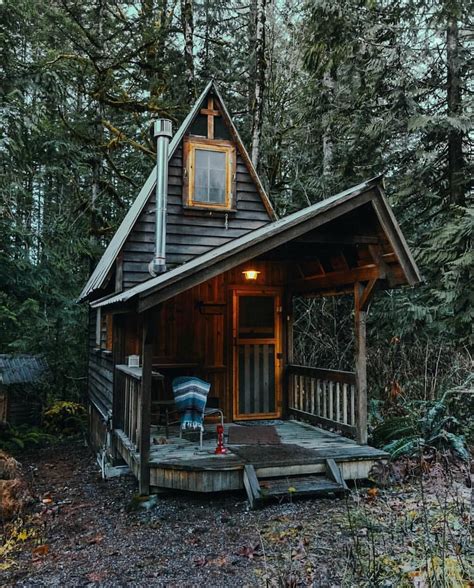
(128, 400)
(323, 397)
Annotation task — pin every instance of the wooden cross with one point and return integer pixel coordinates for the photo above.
(210, 112)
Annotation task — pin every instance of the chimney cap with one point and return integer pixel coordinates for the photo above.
(162, 127)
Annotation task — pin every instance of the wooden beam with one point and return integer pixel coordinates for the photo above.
(367, 294)
(339, 278)
(288, 388)
(210, 112)
(361, 364)
(145, 404)
(118, 356)
(379, 258)
(337, 240)
(397, 240)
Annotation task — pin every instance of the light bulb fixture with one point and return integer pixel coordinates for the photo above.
(251, 274)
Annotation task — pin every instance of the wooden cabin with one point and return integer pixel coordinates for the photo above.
(200, 279)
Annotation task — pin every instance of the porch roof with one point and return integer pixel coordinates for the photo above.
(250, 245)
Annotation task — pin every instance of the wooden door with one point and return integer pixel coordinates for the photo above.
(257, 354)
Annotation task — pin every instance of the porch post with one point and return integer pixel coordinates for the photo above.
(360, 363)
(288, 388)
(118, 352)
(145, 404)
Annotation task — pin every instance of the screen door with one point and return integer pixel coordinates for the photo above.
(257, 353)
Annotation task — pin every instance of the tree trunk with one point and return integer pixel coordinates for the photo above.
(260, 67)
(188, 30)
(455, 136)
(155, 45)
(98, 131)
(328, 145)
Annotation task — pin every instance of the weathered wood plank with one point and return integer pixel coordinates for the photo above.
(361, 364)
(252, 485)
(322, 373)
(145, 404)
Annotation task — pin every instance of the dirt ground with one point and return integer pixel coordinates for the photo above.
(83, 531)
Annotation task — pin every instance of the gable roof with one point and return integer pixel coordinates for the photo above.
(270, 236)
(107, 260)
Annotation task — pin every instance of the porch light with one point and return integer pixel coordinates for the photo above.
(251, 274)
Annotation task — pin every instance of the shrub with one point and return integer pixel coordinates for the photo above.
(423, 425)
(65, 418)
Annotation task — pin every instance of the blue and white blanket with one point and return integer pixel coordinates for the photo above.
(190, 396)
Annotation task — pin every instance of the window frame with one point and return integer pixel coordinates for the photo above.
(190, 144)
(103, 331)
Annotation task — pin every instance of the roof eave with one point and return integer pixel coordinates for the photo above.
(247, 243)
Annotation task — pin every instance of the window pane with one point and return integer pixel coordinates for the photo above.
(202, 158)
(256, 317)
(217, 160)
(210, 176)
(216, 186)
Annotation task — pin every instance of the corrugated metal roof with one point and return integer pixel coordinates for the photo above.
(103, 267)
(248, 240)
(21, 369)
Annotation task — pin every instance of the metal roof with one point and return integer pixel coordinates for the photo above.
(267, 232)
(113, 249)
(21, 369)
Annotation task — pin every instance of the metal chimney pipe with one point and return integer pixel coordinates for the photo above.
(162, 131)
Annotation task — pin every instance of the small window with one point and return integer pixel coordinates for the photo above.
(209, 170)
(103, 337)
(256, 317)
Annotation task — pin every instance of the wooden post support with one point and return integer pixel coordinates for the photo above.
(118, 356)
(361, 363)
(145, 404)
(288, 388)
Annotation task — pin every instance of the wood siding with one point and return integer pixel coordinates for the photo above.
(193, 332)
(190, 233)
(100, 374)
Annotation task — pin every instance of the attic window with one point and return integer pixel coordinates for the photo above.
(209, 172)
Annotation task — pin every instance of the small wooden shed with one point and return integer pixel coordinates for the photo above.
(218, 303)
(20, 388)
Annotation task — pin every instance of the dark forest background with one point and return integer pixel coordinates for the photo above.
(325, 94)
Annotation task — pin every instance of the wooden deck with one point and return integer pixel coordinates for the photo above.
(180, 464)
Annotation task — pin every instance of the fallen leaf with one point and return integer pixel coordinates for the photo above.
(96, 576)
(249, 551)
(41, 550)
(373, 492)
(219, 561)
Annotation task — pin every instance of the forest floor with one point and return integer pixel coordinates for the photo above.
(82, 531)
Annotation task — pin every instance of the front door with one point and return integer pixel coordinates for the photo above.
(257, 354)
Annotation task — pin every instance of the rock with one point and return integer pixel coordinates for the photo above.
(14, 496)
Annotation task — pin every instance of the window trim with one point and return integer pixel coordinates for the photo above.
(103, 331)
(190, 144)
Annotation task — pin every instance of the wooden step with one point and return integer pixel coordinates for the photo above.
(259, 488)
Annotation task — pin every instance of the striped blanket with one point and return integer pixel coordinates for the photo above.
(190, 396)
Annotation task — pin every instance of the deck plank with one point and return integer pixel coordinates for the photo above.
(180, 463)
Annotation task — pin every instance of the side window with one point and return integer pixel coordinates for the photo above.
(103, 334)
